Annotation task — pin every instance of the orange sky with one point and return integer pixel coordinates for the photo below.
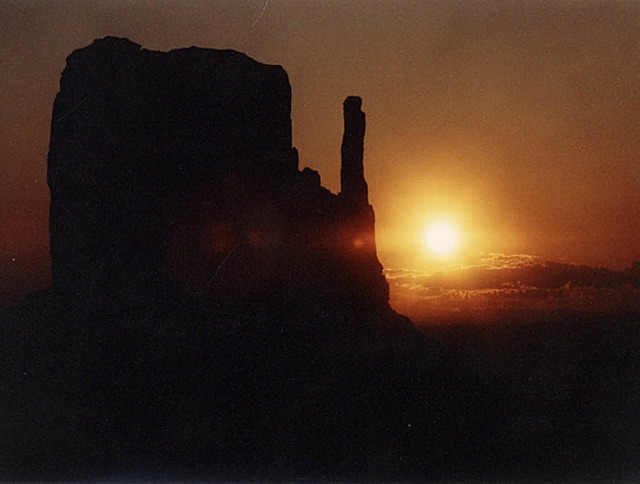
(518, 120)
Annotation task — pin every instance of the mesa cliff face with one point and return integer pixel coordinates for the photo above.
(213, 308)
(174, 173)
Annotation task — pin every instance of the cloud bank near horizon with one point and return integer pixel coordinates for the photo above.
(503, 287)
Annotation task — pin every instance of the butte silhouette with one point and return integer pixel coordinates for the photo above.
(214, 311)
(173, 174)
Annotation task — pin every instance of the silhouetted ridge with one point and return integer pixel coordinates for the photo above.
(212, 307)
(175, 170)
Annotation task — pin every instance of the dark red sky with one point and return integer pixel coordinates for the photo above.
(520, 121)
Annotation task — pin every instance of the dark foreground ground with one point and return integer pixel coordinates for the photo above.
(566, 393)
(160, 392)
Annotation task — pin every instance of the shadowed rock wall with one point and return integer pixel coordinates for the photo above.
(174, 172)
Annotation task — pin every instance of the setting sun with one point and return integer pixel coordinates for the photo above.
(442, 238)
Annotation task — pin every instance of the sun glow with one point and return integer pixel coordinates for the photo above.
(441, 238)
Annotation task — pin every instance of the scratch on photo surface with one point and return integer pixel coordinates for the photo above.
(73, 109)
(264, 9)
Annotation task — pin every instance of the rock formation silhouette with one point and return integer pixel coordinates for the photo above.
(176, 171)
(213, 308)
